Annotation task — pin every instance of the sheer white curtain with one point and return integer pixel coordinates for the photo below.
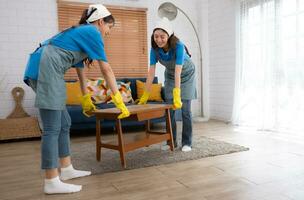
(269, 92)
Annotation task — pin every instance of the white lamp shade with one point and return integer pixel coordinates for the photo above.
(168, 10)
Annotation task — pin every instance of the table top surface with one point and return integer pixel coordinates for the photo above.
(134, 109)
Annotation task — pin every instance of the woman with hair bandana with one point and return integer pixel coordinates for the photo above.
(180, 80)
(45, 74)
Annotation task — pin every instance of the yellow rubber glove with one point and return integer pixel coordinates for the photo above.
(117, 99)
(87, 105)
(177, 102)
(144, 98)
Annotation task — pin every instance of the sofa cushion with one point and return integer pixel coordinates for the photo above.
(155, 94)
(98, 90)
(125, 91)
(73, 93)
(102, 94)
(133, 84)
(79, 121)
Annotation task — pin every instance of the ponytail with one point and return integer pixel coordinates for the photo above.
(83, 19)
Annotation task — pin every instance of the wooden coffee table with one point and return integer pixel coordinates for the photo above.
(138, 113)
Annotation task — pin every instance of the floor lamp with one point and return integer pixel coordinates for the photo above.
(169, 10)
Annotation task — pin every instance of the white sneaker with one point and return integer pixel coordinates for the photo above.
(186, 148)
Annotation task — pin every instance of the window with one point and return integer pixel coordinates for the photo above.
(126, 46)
(270, 93)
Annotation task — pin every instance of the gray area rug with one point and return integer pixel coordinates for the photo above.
(84, 155)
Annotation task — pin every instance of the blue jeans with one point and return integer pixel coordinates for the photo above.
(55, 142)
(187, 122)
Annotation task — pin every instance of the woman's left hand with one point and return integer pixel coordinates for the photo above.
(87, 105)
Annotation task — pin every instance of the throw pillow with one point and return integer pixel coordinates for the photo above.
(155, 94)
(125, 91)
(73, 93)
(98, 89)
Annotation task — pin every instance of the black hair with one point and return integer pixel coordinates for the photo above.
(172, 41)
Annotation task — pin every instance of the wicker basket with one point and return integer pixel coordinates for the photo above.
(15, 128)
(19, 124)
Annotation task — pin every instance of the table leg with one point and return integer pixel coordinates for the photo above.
(147, 127)
(169, 129)
(98, 141)
(148, 130)
(121, 143)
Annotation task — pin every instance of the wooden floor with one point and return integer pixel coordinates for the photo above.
(273, 169)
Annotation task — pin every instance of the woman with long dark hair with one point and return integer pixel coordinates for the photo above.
(180, 79)
(74, 47)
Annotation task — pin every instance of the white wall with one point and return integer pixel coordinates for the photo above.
(222, 51)
(203, 81)
(25, 23)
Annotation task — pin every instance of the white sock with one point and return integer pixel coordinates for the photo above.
(69, 173)
(55, 186)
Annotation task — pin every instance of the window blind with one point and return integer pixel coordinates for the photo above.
(126, 46)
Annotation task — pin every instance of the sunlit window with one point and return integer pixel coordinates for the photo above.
(270, 93)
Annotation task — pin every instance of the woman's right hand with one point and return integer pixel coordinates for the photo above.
(117, 99)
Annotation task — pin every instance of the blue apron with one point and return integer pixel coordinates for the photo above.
(49, 83)
(188, 78)
(32, 66)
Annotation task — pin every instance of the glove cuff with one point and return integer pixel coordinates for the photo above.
(86, 96)
(176, 91)
(147, 93)
(117, 98)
